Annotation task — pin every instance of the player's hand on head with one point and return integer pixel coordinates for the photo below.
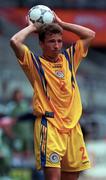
(28, 21)
(37, 25)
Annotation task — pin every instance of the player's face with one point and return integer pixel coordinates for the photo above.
(52, 45)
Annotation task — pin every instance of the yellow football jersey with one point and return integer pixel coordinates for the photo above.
(64, 97)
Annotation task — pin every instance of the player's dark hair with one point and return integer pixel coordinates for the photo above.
(48, 29)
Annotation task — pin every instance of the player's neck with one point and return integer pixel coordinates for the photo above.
(50, 59)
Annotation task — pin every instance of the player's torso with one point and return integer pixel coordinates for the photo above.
(65, 98)
(58, 77)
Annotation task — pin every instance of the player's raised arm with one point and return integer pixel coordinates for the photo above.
(17, 41)
(84, 33)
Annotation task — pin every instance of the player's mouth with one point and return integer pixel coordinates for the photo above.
(56, 51)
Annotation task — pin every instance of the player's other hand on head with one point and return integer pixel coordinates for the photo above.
(57, 19)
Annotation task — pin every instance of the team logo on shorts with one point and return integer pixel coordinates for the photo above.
(59, 74)
(54, 158)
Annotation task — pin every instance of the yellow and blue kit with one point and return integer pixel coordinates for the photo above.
(58, 108)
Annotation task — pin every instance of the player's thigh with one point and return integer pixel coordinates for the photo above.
(51, 173)
(76, 157)
(69, 175)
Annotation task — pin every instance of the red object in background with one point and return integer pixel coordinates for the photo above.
(94, 19)
(15, 15)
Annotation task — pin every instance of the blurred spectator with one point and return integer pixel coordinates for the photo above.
(5, 155)
(18, 108)
(6, 124)
(18, 104)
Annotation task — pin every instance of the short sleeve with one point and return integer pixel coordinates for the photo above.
(27, 65)
(26, 58)
(79, 54)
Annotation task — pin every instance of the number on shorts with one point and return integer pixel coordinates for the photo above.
(82, 149)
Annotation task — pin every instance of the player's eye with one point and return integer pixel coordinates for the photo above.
(60, 41)
(52, 41)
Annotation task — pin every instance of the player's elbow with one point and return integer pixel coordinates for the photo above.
(13, 42)
(92, 34)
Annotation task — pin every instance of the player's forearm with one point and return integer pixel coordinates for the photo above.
(18, 39)
(20, 36)
(81, 31)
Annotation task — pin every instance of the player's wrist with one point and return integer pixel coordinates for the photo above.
(32, 28)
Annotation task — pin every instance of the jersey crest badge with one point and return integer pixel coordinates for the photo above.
(59, 74)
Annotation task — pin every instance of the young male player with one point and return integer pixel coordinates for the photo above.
(59, 146)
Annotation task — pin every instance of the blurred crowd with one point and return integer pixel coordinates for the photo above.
(16, 132)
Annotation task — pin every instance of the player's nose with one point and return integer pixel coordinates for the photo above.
(56, 45)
